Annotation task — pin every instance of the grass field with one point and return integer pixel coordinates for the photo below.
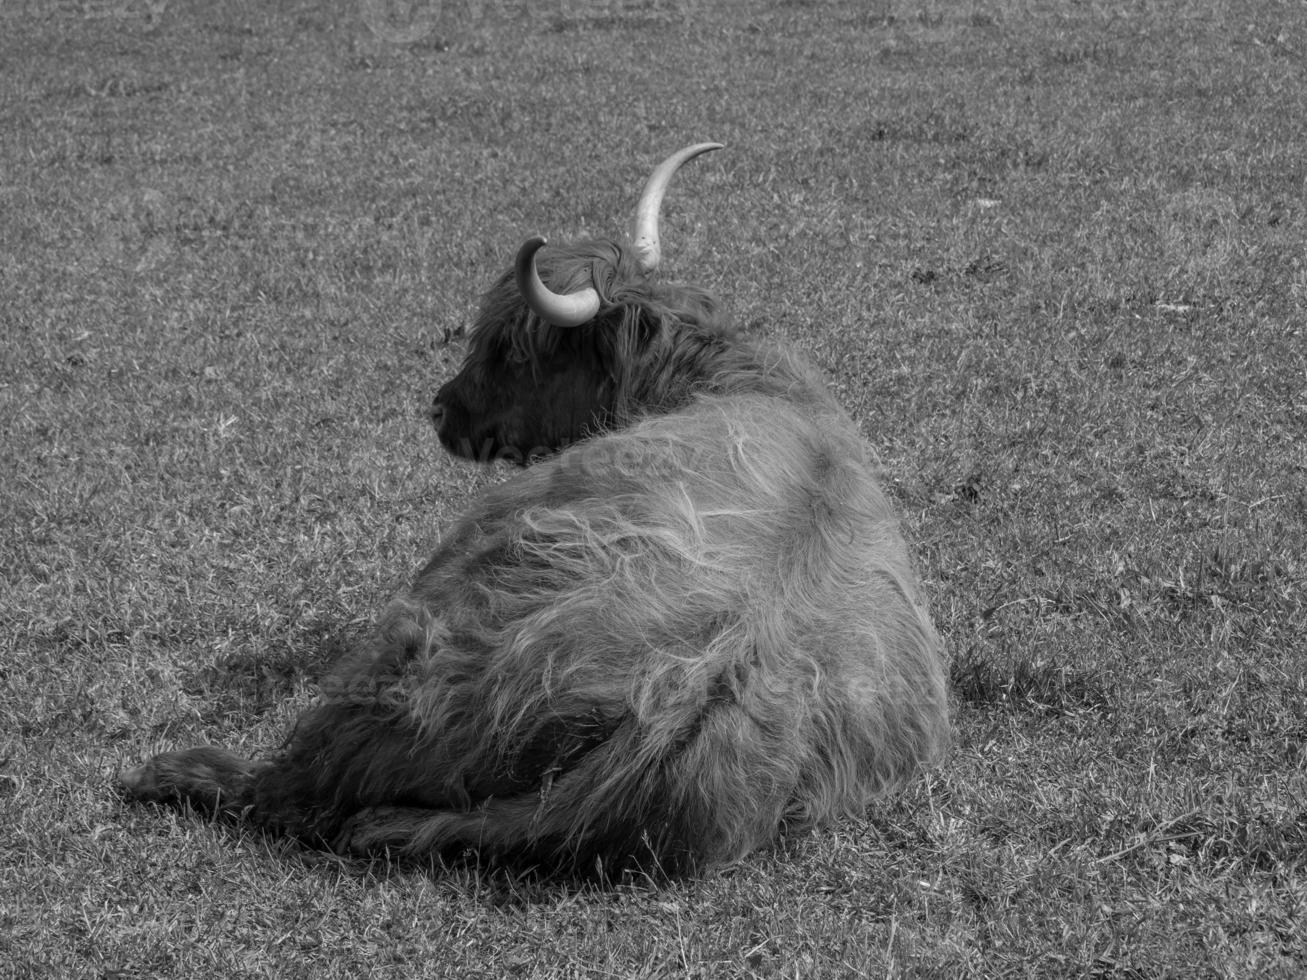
(1053, 256)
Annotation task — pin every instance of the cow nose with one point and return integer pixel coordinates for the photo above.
(437, 413)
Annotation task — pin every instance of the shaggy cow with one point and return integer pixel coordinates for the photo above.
(692, 627)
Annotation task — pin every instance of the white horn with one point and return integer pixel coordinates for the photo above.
(558, 309)
(644, 235)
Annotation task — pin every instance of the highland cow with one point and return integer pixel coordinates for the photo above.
(690, 625)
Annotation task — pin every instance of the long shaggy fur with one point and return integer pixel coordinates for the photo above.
(695, 626)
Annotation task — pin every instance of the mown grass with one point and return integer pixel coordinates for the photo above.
(1052, 258)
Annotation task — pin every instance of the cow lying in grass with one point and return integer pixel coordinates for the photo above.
(692, 624)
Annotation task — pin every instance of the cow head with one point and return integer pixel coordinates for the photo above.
(549, 365)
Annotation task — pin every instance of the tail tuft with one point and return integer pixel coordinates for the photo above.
(209, 778)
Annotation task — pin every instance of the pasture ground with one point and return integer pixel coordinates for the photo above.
(1053, 256)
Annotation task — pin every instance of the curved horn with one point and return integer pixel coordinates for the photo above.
(558, 309)
(645, 233)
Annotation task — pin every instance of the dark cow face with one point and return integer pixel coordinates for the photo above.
(527, 388)
(507, 403)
